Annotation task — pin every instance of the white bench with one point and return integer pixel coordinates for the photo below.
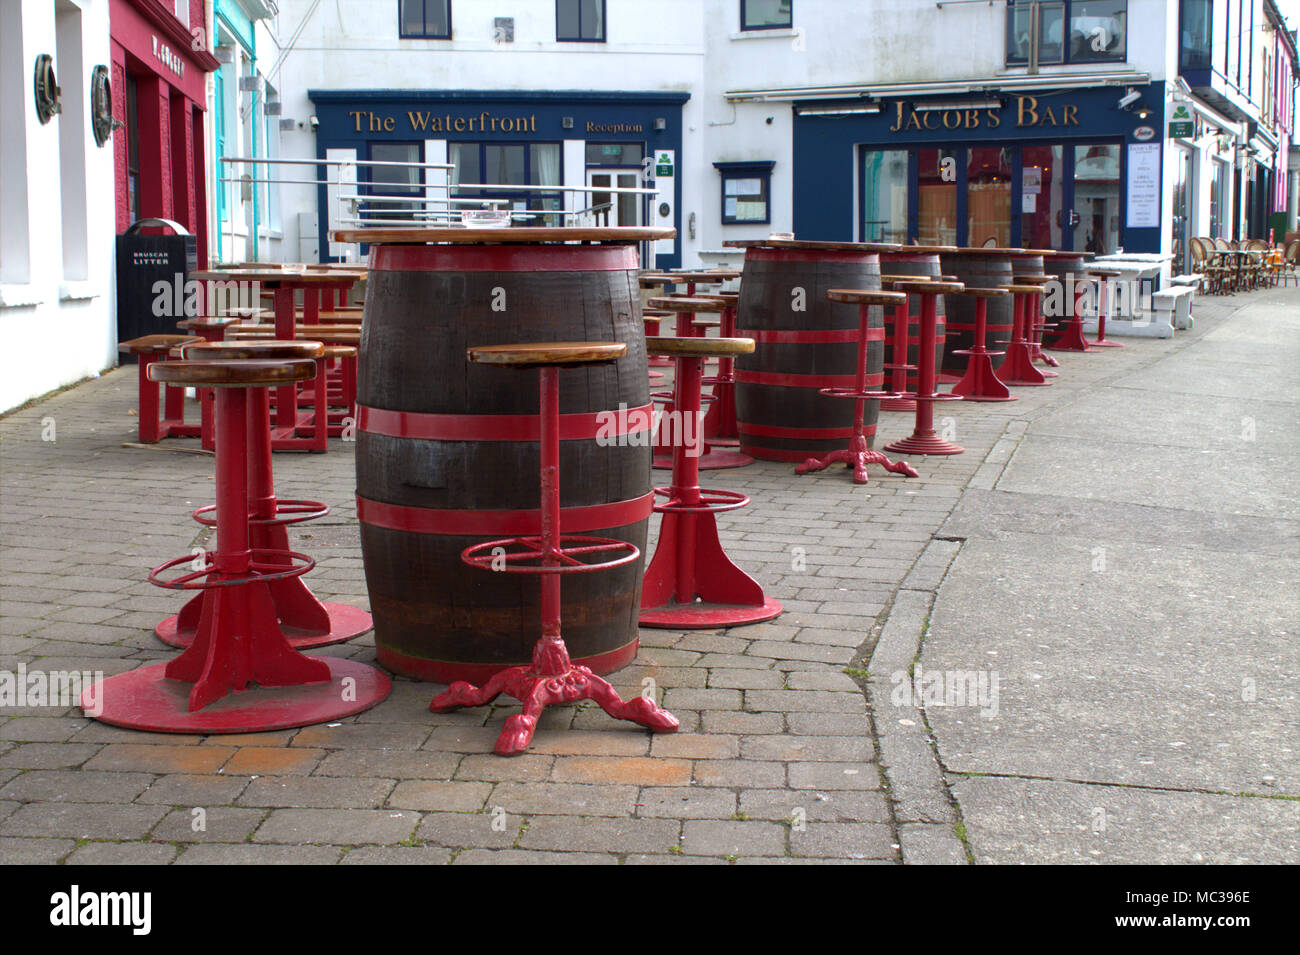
(1177, 302)
(1194, 279)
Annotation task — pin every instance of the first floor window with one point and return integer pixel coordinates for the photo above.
(580, 21)
(1068, 31)
(766, 14)
(424, 19)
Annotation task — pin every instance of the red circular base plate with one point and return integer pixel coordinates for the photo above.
(997, 398)
(703, 616)
(713, 461)
(346, 622)
(1107, 343)
(924, 445)
(145, 699)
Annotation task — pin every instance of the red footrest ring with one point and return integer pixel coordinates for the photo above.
(295, 513)
(711, 500)
(862, 395)
(493, 555)
(267, 564)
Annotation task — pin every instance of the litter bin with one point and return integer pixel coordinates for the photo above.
(143, 306)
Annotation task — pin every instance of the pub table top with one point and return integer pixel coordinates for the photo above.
(274, 277)
(815, 245)
(522, 235)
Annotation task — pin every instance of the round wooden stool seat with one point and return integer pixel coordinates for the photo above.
(272, 350)
(655, 313)
(702, 321)
(154, 344)
(1037, 278)
(233, 374)
(1019, 288)
(702, 276)
(533, 355)
(339, 351)
(929, 287)
(1103, 273)
(864, 296)
(699, 347)
(890, 279)
(210, 323)
(985, 292)
(331, 335)
(726, 298)
(683, 303)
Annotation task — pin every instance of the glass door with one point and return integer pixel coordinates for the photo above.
(1181, 209)
(610, 208)
(1093, 220)
(988, 196)
(1042, 196)
(936, 205)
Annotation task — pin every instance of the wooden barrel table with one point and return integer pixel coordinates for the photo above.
(447, 451)
(803, 342)
(921, 261)
(977, 268)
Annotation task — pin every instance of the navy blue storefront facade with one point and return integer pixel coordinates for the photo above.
(520, 138)
(1063, 169)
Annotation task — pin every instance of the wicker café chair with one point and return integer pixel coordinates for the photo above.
(1290, 268)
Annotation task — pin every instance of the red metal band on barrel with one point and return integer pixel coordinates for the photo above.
(804, 381)
(804, 336)
(502, 258)
(765, 254)
(583, 425)
(448, 671)
(773, 431)
(485, 523)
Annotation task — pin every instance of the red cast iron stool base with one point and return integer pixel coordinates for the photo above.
(924, 439)
(691, 583)
(857, 456)
(240, 675)
(1103, 277)
(552, 677)
(304, 619)
(981, 382)
(1018, 366)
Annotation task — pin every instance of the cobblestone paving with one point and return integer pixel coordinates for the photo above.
(777, 759)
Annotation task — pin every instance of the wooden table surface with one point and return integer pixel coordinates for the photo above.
(421, 235)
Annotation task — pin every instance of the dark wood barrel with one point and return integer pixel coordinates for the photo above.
(447, 451)
(923, 262)
(977, 268)
(1068, 268)
(803, 342)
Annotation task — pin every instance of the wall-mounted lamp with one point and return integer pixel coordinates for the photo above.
(1143, 111)
(660, 124)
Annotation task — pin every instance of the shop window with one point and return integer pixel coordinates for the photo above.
(884, 196)
(72, 141)
(580, 21)
(396, 182)
(1069, 31)
(746, 192)
(936, 197)
(766, 14)
(132, 147)
(487, 165)
(615, 154)
(424, 19)
(1195, 22)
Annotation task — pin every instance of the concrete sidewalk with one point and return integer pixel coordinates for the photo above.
(1120, 690)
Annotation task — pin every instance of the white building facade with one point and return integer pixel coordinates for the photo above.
(56, 197)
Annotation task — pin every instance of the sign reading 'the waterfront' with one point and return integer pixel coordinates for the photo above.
(424, 121)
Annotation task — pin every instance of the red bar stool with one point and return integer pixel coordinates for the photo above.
(1018, 365)
(240, 675)
(900, 317)
(551, 677)
(691, 583)
(163, 418)
(693, 317)
(924, 439)
(720, 422)
(1036, 323)
(981, 382)
(1104, 278)
(304, 620)
(210, 329)
(653, 317)
(1071, 339)
(859, 455)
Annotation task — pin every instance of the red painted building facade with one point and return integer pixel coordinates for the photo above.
(160, 65)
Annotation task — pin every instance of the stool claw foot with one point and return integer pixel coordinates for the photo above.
(462, 693)
(516, 735)
(640, 710)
